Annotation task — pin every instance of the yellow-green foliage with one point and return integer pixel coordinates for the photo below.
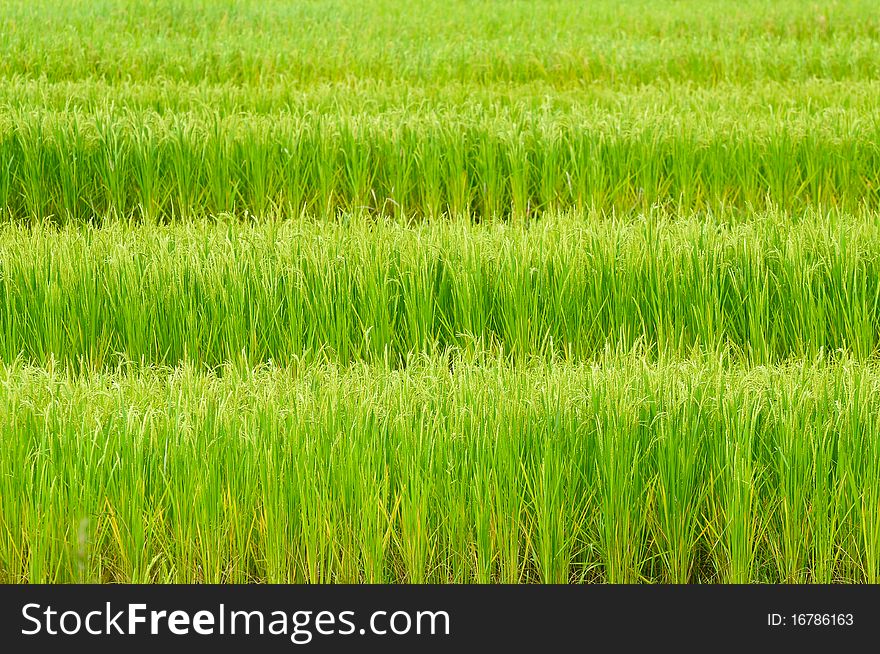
(452, 470)
(769, 287)
(439, 291)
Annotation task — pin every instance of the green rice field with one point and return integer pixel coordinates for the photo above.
(439, 292)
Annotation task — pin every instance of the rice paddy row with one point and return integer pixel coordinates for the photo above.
(495, 161)
(769, 288)
(453, 471)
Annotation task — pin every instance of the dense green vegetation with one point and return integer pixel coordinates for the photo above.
(452, 470)
(180, 108)
(96, 151)
(562, 41)
(769, 287)
(439, 291)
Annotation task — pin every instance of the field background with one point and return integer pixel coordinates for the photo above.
(455, 291)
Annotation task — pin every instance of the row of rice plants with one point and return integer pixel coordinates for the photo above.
(453, 471)
(81, 170)
(767, 289)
